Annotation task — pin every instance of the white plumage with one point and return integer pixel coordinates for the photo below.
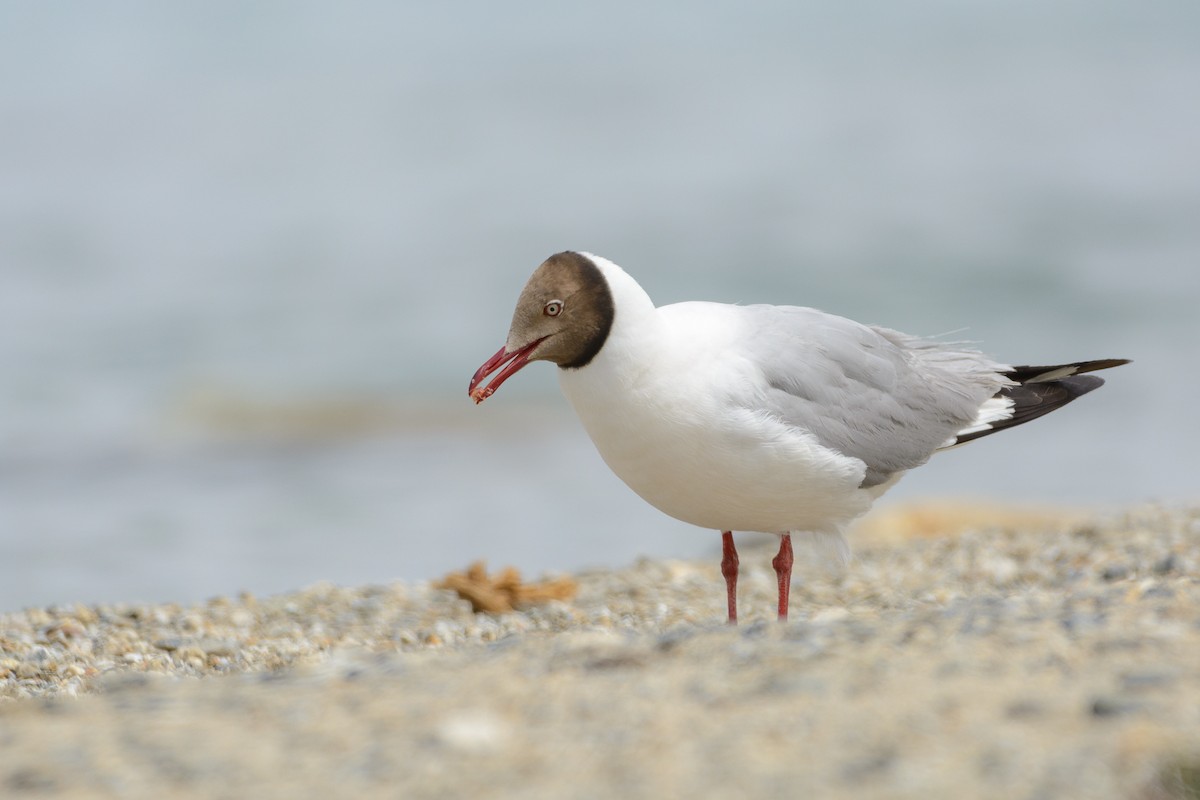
(767, 418)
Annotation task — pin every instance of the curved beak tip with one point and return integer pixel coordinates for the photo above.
(514, 361)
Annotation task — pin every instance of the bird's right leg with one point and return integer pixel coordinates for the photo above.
(729, 568)
(783, 571)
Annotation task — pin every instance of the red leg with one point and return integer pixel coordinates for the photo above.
(729, 568)
(783, 571)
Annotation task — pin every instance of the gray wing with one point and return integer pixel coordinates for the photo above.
(877, 395)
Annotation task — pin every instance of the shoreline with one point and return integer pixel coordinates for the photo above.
(994, 663)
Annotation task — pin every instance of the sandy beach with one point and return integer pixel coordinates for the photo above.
(1002, 661)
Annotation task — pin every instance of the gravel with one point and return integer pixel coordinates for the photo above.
(995, 663)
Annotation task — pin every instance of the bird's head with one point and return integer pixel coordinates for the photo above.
(563, 315)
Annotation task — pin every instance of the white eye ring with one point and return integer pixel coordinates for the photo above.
(553, 308)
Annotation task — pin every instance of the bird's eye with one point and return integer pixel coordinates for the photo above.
(553, 308)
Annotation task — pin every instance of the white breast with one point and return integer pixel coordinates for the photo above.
(670, 408)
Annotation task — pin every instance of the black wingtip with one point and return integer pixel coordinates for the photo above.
(1079, 385)
(1040, 390)
(1060, 371)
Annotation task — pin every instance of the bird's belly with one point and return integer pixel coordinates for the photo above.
(728, 471)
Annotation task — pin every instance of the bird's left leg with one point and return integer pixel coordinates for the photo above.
(783, 571)
(729, 568)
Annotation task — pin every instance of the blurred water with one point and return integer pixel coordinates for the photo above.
(250, 254)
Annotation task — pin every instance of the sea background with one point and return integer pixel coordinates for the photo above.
(250, 254)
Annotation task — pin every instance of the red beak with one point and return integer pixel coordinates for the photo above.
(514, 360)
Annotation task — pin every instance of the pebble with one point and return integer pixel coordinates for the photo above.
(1019, 664)
(1061, 577)
(473, 731)
(1113, 706)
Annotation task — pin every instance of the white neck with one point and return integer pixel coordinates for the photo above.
(633, 307)
(635, 328)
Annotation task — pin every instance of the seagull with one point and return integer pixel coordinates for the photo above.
(779, 419)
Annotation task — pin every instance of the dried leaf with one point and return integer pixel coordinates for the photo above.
(504, 591)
